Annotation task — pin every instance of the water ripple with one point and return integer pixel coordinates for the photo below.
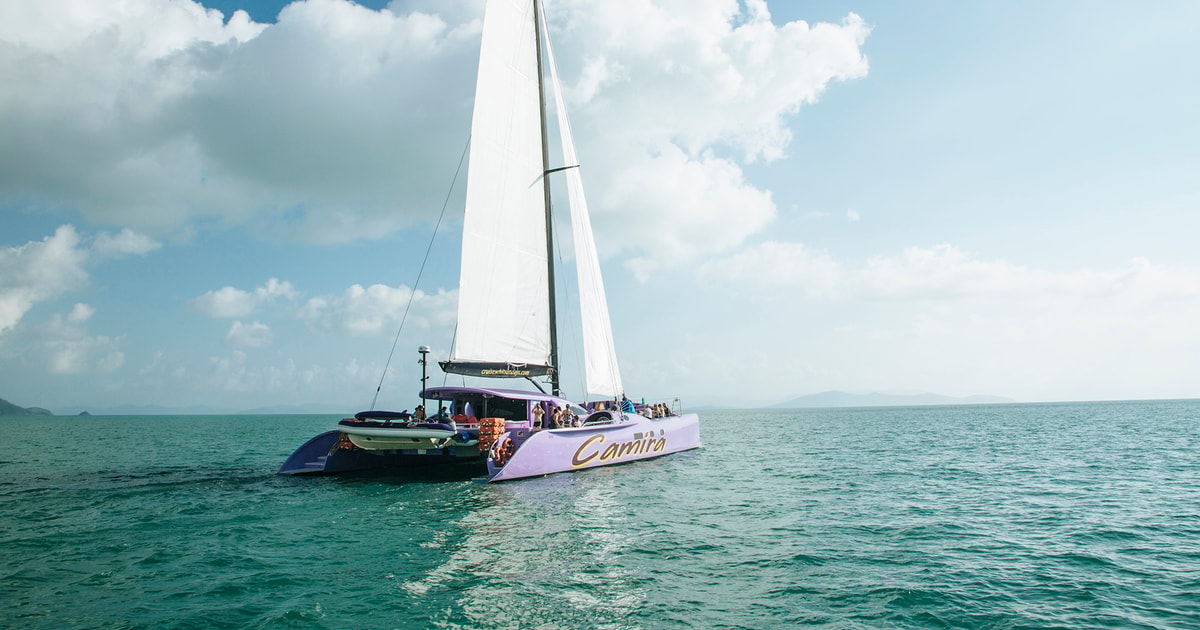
(1010, 516)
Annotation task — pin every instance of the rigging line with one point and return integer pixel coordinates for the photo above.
(453, 340)
(413, 294)
(535, 384)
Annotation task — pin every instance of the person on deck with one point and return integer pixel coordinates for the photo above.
(538, 414)
(627, 405)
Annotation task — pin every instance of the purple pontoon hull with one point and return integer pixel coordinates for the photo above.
(629, 438)
(321, 455)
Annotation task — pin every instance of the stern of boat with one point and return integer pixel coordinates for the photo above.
(328, 453)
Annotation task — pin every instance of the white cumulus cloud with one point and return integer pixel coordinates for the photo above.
(154, 113)
(790, 266)
(37, 271)
(676, 207)
(253, 335)
(338, 122)
(939, 272)
(54, 266)
(229, 302)
(673, 98)
(366, 310)
(62, 344)
(125, 243)
(229, 373)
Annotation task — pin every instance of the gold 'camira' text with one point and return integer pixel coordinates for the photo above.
(592, 449)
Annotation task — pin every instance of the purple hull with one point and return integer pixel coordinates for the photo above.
(630, 438)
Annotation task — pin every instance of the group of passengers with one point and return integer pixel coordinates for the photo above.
(657, 410)
(563, 417)
(560, 417)
(442, 415)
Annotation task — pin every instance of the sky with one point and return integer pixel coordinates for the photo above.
(229, 203)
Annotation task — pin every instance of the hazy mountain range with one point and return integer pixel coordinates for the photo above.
(9, 409)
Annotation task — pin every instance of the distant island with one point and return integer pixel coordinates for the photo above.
(9, 409)
(845, 399)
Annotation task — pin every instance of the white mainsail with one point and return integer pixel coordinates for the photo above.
(503, 313)
(603, 377)
(504, 299)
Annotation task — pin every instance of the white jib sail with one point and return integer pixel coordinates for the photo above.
(603, 376)
(503, 303)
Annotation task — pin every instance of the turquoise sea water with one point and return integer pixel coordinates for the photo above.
(1008, 516)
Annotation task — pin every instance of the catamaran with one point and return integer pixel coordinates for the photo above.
(507, 316)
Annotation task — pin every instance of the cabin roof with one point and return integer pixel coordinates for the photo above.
(446, 393)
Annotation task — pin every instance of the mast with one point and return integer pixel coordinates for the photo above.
(537, 36)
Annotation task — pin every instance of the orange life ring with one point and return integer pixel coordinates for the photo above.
(502, 451)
